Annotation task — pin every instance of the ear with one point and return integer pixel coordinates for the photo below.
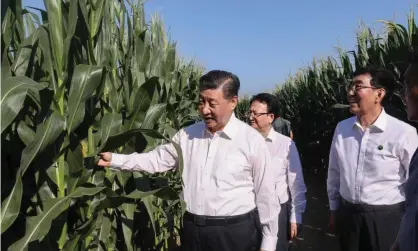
(233, 102)
(271, 116)
(381, 94)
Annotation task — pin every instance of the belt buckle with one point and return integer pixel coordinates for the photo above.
(200, 221)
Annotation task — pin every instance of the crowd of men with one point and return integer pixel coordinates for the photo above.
(243, 183)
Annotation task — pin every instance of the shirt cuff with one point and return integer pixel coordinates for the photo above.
(117, 161)
(269, 243)
(296, 218)
(334, 205)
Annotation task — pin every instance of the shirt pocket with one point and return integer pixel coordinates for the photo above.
(234, 168)
(383, 151)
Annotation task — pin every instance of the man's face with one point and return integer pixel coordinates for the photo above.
(215, 109)
(411, 92)
(259, 117)
(362, 96)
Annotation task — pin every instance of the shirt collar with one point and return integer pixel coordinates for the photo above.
(271, 137)
(230, 128)
(380, 122)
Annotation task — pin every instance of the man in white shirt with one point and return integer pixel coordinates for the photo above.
(289, 176)
(228, 176)
(368, 166)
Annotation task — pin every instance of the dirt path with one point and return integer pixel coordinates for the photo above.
(315, 235)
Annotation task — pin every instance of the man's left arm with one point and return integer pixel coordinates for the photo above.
(410, 144)
(296, 185)
(265, 191)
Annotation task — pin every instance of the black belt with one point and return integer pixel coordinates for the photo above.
(372, 208)
(202, 220)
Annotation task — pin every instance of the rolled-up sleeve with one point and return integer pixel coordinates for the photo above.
(296, 185)
(266, 200)
(333, 179)
(161, 159)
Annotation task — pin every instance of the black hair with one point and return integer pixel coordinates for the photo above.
(270, 100)
(380, 78)
(217, 78)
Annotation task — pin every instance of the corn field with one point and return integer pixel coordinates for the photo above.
(79, 78)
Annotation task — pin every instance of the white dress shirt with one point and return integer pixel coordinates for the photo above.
(226, 173)
(289, 175)
(370, 166)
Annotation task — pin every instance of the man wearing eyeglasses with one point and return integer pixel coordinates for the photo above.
(408, 233)
(368, 166)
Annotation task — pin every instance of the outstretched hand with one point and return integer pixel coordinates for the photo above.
(105, 159)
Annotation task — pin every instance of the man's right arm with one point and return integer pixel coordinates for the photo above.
(333, 179)
(161, 159)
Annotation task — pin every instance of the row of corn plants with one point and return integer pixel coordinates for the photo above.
(79, 78)
(314, 99)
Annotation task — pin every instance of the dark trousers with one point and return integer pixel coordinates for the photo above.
(208, 233)
(367, 227)
(283, 235)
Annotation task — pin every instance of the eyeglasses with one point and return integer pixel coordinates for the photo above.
(357, 87)
(254, 114)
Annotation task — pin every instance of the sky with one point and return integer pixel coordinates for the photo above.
(263, 42)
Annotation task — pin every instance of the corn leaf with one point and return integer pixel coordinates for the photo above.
(10, 207)
(85, 80)
(13, 94)
(45, 135)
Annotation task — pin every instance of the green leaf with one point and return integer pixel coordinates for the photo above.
(96, 14)
(6, 28)
(72, 243)
(86, 191)
(75, 164)
(26, 134)
(156, 60)
(141, 102)
(110, 125)
(73, 18)
(45, 46)
(85, 80)
(45, 135)
(127, 218)
(13, 94)
(120, 139)
(10, 207)
(150, 210)
(153, 114)
(143, 51)
(104, 231)
(56, 32)
(5, 67)
(166, 193)
(23, 57)
(38, 226)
